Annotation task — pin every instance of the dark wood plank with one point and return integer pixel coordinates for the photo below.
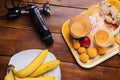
(3, 66)
(71, 71)
(15, 40)
(74, 72)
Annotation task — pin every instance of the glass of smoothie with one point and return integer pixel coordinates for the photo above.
(79, 26)
(104, 38)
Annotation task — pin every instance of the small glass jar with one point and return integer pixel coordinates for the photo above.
(104, 38)
(80, 26)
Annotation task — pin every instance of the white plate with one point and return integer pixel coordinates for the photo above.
(23, 58)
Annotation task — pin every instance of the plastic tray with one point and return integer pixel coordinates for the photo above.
(91, 62)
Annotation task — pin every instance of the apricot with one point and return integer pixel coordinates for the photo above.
(101, 50)
(76, 44)
(84, 57)
(92, 52)
(81, 50)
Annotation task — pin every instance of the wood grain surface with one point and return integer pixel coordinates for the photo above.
(20, 34)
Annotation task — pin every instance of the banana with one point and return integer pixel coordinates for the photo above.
(32, 66)
(45, 68)
(9, 75)
(47, 77)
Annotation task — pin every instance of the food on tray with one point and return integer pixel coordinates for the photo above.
(76, 44)
(92, 52)
(82, 50)
(85, 42)
(36, 68)
(101, 50)
(79, 26)
(84, 57)
(96, 17)
(95, 28)
(112, 15)
(103, 38)
(111, 27)
(94, 10)
(97, 38)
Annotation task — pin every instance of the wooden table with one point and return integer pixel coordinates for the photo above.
(20, 34)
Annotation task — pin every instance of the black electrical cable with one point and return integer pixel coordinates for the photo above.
(5, 4)
(13, 3)
(14, 6)
(19, 1)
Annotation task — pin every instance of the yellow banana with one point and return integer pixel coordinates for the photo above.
(9, 75)
(33, 65)
(47, 77)
(45, 68)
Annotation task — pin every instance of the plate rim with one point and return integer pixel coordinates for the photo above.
(49, 53)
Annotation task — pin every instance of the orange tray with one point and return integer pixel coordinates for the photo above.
(91, 62)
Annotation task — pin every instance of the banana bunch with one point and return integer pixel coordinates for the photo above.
(38, 78)
(11, 76)
(33, 65)
(33, 70)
